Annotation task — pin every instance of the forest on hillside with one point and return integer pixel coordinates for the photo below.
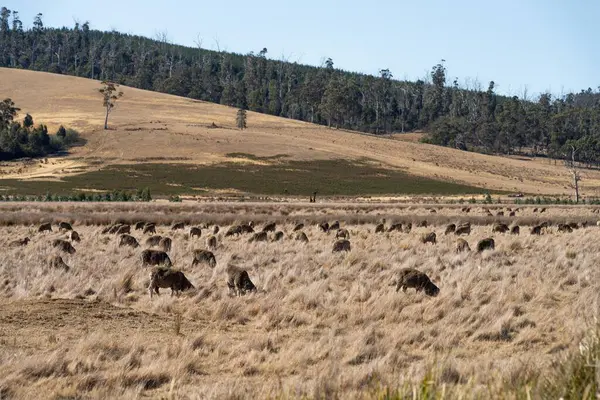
(470, 118)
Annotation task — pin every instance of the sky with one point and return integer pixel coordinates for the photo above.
(524, 46)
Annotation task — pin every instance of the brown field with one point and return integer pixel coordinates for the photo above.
(322, 325)
(152, 127)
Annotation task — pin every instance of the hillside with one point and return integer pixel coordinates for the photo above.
(155, 128)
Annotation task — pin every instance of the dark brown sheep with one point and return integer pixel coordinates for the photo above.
(412, 278)
(149, 228)
(65, 226)
(195, 231)
(204, 256)
(429, 238)
(408, 227)
(334, 226)
(239, 281)
(234, 230)
(19, 242)
(395, 227)
(463, 229)
(543, 210)
(56, 261)
(324, 226)
(63, 245)
(153, 240)
(165, 244)
(155, 257)
(139, 226)
(161, 277)
(114, 228)
(380, 228)
(270, 227)
(247, 228)
(512, 214)
(342, 234)
(178, 226)
(298, 227)
(462, 245)
(341, 245)
(74, 236)
(301, 236)
(485, 244)
(564, 228)
(422, 224)
(123, 229)
(535, 210)
(278, 236)
(258, 237)
(128, 240)
(211, 242)
(573, 225)
(500, 228)
(515, 230)
(215, 229)
(500, 214)
(450, 229)
(47, 227)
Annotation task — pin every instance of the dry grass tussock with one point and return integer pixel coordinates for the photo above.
(322, 324)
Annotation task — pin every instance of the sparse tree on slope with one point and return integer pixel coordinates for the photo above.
(241, 119)
(110, 95)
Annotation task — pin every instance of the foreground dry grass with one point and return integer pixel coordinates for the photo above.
(322, 325)
(154, 127)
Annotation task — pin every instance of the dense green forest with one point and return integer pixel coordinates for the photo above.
(468, 118)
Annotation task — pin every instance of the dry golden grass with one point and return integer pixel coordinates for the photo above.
(322, 325)
(154, 127)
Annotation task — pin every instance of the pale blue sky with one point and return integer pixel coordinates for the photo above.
(539, 44)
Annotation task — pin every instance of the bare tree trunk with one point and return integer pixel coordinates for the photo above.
(106, 119)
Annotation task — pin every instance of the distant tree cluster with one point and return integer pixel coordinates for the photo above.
(26, 140)
(465, 117)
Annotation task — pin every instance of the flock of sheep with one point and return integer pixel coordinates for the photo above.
(162, 275)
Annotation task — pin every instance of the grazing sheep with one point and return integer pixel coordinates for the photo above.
(258, 237)
(140, 225)
(161, 277)
(422, 224)
(301, 236)
(408, 227)
(63, 245)
(114, 228)
(19, 242)
(204, 256)
(535, 210)
(501, 228)
(74, 236)
(463, 229)
(123, 229)
(380, 228)
(65, 226)
(153, 240)
(543, 210)
(45, 227)
(324, 226)
(500, 214)
(215, 229)
(573, 225)
(536, 230)
(128, 240)
(429, 238)
(341, 245)
(564, 228)
(247, 228)
(412, 278)
(106, 229)
(335, 226)
(515, 230)
(485, 244)
(211, 242)
(165, 244)
(545, 224)
(432, 211)
(466, 209)
(512, 214)
(342, 234)
(234, 230)
(298, 227)
(462, 245)
(395, 227)
(450, 229)
(177, 226)
(239, 281)
(270, 227)
(56, 261)
(155, 257)
(149, 228)
(278, 236)
(195, 231)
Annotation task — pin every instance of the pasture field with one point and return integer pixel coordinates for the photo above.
(518, 321)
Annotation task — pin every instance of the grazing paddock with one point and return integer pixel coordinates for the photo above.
(320, 324)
